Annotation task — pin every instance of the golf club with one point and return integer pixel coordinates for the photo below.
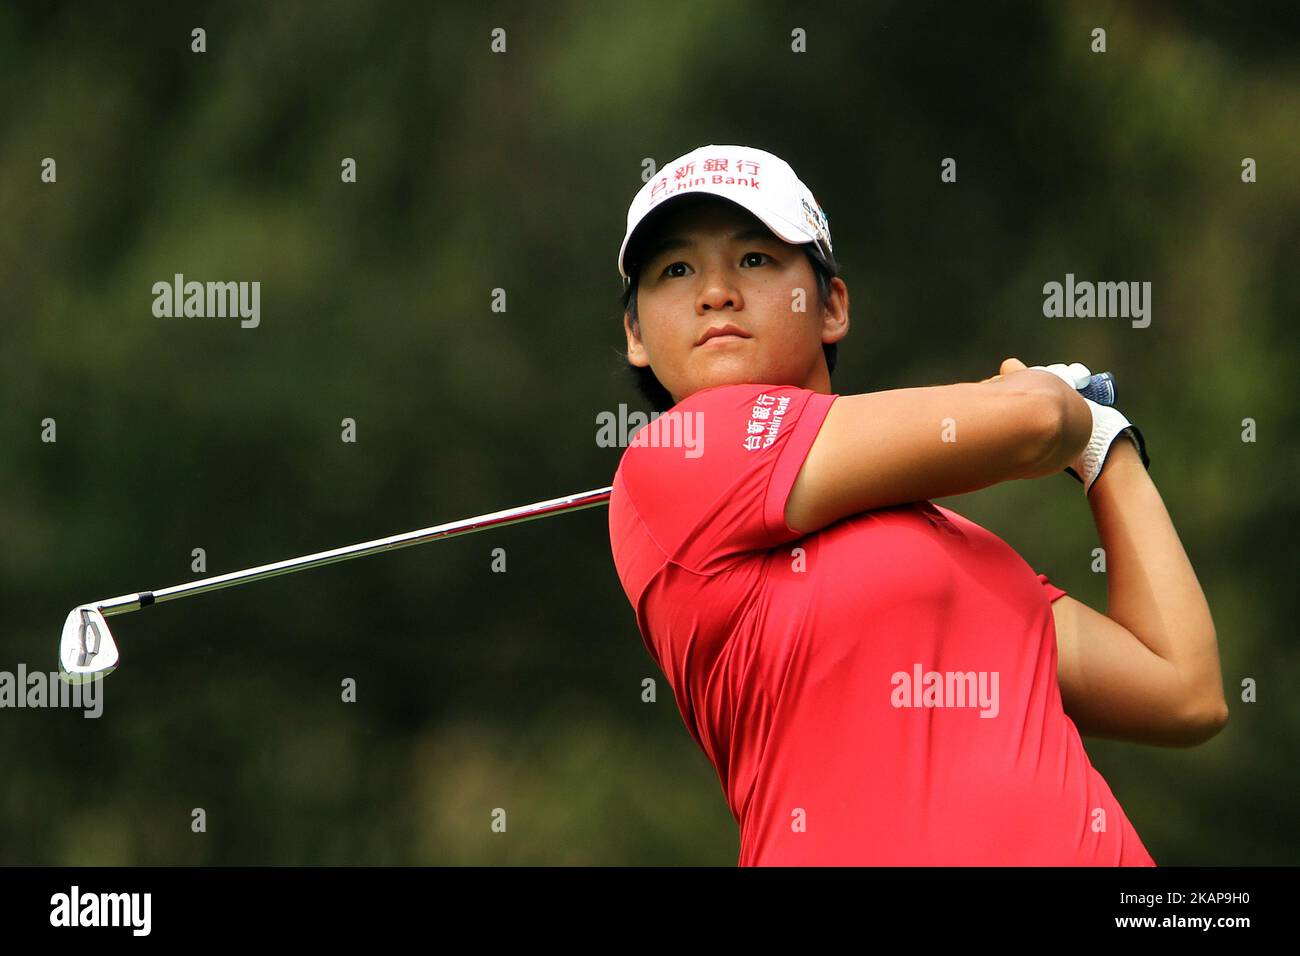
(87, 649)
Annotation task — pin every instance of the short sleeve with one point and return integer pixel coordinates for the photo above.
(710, 478)
(1053, 592)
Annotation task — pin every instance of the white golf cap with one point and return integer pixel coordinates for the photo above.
(753, 178)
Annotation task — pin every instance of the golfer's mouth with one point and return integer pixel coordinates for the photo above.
(722, 334)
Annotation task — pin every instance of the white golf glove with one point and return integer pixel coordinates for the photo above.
(1108, 423)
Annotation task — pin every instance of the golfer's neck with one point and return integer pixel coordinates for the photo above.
(817, 380)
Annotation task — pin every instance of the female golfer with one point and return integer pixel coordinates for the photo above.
(878, 680)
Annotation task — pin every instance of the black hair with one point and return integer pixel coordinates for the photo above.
(645, 380)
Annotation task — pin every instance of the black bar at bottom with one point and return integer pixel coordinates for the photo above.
(923, 906)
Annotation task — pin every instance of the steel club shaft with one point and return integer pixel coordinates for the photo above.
(126, 603)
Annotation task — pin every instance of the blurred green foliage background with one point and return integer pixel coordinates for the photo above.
(476, 171)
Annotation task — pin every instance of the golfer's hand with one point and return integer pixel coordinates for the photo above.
(1108, 423)
(1075, 374)
(1076, 418)
(1008, 366)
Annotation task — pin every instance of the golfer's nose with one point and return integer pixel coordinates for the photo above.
(718, 291)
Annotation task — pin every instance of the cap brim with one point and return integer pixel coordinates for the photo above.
(780, 228)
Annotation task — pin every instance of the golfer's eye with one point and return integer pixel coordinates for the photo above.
(668, 269)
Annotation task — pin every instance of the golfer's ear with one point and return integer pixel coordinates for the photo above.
(835, 322)
(635, 350)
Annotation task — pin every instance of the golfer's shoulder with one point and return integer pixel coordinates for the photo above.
(750, 406)
(721, 444)
(721, 427)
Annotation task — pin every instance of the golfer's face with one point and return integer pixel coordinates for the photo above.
(716, 264)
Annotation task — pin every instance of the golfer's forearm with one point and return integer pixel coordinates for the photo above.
(1151, 587)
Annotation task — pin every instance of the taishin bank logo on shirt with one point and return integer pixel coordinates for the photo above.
(765, 418)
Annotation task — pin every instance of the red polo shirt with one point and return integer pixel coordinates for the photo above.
(880, 692)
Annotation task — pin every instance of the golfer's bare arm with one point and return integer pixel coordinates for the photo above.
(1148, 670)
(913, 444)
(885, 448)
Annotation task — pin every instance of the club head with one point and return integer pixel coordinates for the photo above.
(87, 649)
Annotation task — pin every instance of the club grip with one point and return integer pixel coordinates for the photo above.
(1100, 389)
